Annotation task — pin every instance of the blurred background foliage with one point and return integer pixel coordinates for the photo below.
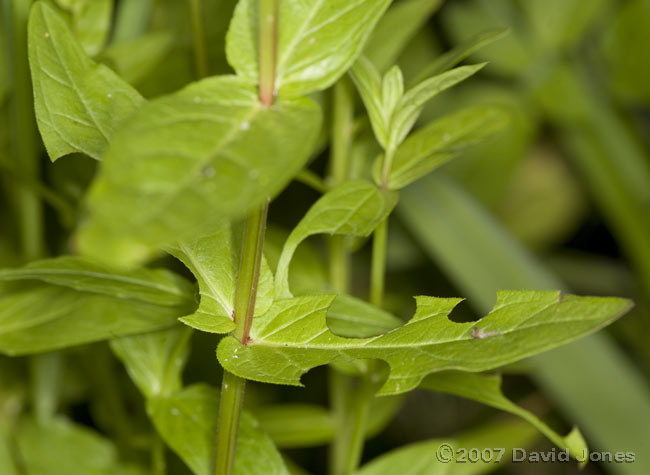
(561, 199)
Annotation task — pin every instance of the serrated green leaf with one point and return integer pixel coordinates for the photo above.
(318, 41)
(60, 447)
(185, 161)
(155, 360)
(68, 301)
(435, 144)
(354, 208)
(396, 28)
(480, 256)
(486, 389)
(293, 337)
(79, 104)
(461, 52)
(409, 108)
(187, 421)
(214, 261)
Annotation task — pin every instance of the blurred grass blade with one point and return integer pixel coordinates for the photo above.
(588, 379)
(396, 28)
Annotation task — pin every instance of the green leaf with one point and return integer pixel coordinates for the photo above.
(369, 84)
(318, 41)
(392, 89)
(134, 59)
(435, 144)
(60, 447)
(308, 267)
(354, 208)
(297, 425)
(486, 389)
(155, 360)
(396, 28)
(480, 256)
(185, 161)
(91, 22)
(158, 286)
(420, 458)
(461, 52)
(307, 425)
(79, 104)
(187, 421)
(355, 318)
(409, 108)
(293, 337)
(214, 261)
(68, 301)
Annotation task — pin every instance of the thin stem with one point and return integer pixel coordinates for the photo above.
(249, 271)
(342, 128)
(268, 49)
(233, 387)
(339, 262)
(158, 462)
(132, 19)
(230, 406)
(386, 166)
(354, 435)
(24, 143)
(378, 264)
(198, 38)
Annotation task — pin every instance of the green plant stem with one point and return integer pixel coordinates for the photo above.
(386, 166)
(354, 430)
(24, 143)
(158, 463)
(340, 392)
(232, 387)
(268, 49)
(378, 265)
(198, 38)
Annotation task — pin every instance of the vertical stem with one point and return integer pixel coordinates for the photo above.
(24, 143)
(158, 462)
(232, 387)
(198, 38)
(355, 430)
(378, 264)
(340, 391)
(268, 49)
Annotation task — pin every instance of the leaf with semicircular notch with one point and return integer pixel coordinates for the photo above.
(293, 337)
(318, 40)
(79, 104)
(185, 162)
(354, 208)
(67, 301)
